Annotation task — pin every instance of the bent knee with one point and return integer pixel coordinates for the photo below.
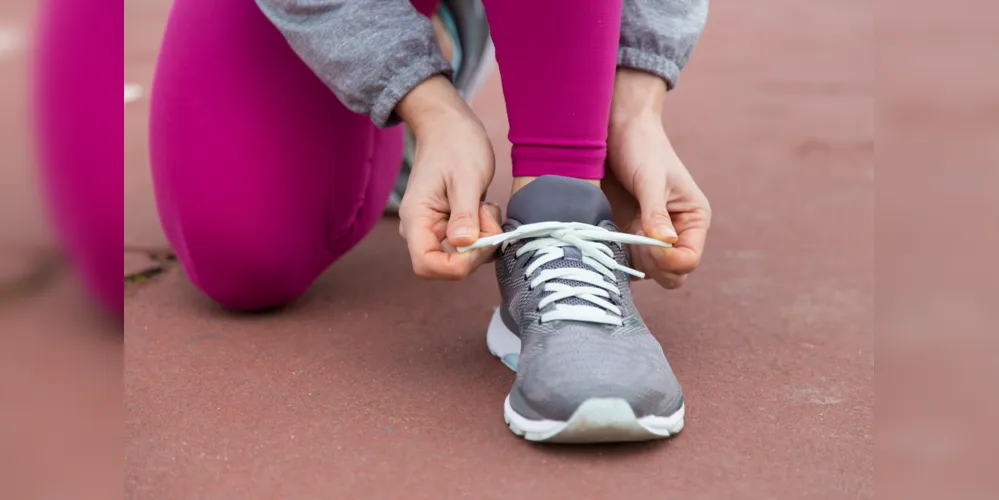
(252, 280)
(250, 289)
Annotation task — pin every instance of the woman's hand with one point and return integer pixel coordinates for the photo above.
(650, 189)
(454, 164)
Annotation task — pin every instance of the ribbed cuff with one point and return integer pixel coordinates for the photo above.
(633, 58)
(402, 81)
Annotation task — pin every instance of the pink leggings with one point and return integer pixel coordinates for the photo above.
(263, 179)
(76, 77)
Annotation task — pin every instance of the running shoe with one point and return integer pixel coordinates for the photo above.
(588, 368)
(472, 59)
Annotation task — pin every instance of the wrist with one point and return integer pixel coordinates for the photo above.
(431, 104)
(637, 95)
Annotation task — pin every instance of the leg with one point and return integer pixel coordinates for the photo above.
(262, 178)
(78, 140)
(425, 7)
(557, 59)
(588, 369)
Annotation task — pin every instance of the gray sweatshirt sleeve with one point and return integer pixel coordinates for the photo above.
(658, 36)
(370, 53)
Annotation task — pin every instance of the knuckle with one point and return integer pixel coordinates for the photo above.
(493, 210)
(659, 213)
(461, 216)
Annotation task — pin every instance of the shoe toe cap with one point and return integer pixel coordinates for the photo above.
(554, 381)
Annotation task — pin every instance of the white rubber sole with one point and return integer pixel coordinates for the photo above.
(597, 420)
(501, 342)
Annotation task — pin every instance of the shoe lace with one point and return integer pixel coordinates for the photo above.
(547, 243)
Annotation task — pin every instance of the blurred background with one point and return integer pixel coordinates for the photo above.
(349, 395)
(61, 354)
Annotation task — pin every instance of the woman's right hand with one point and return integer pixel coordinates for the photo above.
(442, 208)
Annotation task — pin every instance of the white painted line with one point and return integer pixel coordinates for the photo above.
(11, 41)
(132, 92)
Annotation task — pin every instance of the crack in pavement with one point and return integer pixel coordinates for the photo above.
(163, 261)
(38, 277)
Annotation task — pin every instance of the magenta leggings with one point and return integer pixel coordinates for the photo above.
(263, 178)
(76, 77)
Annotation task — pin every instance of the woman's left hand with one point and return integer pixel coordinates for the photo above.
(653, 194)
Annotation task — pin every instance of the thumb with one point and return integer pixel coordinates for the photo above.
(490, 219)
(463, 225)
(489, 222)
(655, 217)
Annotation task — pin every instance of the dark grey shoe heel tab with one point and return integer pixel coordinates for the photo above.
(553, 198)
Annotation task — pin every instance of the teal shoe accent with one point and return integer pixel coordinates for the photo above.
(452, 29)
(510, 360)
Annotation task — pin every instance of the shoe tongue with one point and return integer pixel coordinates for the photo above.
(553, 198)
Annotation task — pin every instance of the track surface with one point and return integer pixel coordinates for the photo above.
(378, 385)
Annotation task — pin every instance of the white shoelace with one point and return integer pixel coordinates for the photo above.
(548, 240)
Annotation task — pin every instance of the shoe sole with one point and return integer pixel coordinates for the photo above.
(596, 420)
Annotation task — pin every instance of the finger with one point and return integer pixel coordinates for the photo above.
(479, 256)
(429, 258)
(670, 281)
(490, 219)
(641, 261)
(686, 253)
(439, 228)
(652, 196)
(489, 222)
(464, 200)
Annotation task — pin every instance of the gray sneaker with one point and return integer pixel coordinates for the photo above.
(588, 369)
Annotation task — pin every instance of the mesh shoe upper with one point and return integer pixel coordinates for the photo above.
(565, 362)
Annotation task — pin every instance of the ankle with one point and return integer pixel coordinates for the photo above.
(519, 182)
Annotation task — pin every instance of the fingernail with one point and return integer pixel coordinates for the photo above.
(665, 230)
(463, 232)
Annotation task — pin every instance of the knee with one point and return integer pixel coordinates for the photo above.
(249, 278)
(250, 289)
